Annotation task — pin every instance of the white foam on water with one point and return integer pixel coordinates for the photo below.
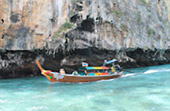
(129, 75)
(150, 71)
(39, 96)
(158, 70)
(106, 80)
(89, 96)
(35, 108)
(2, 101)
(167, 70)
(83, 82)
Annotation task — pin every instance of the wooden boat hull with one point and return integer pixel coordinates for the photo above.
(77, 78)
(57, 77)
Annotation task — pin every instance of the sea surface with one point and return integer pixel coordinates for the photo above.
(146, 89)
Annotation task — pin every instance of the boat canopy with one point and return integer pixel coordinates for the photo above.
(93, 68)
(109, 62)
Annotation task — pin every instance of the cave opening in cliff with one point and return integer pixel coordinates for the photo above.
(75, 18)
(3, 35)
(87, 25)
(2, 20)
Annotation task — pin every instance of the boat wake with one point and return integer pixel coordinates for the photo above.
(127, 75)
(130, 74)
(150, 71)
(158, 70)
(105, 80)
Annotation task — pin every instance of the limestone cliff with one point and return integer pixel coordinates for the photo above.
(167, 2)
(66, 32)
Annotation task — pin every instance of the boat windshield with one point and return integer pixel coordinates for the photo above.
(82, 71)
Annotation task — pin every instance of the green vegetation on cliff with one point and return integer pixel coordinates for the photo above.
(144, 2)
(150, 32)
(117, 13)
(64, 27)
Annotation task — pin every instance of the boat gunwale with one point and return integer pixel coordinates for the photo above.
(89, 76)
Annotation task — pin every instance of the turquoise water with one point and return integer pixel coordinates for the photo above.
(148, 89)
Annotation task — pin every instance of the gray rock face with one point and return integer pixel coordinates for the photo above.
(167, 2)
(127, 24)
(81, 30)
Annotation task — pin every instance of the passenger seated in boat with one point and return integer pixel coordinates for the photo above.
(117, 67)
(85, 72)
(75, 73)
(62, 71)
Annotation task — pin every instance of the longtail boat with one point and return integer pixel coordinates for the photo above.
(84, 74)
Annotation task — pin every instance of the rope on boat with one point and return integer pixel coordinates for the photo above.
(39, 66)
